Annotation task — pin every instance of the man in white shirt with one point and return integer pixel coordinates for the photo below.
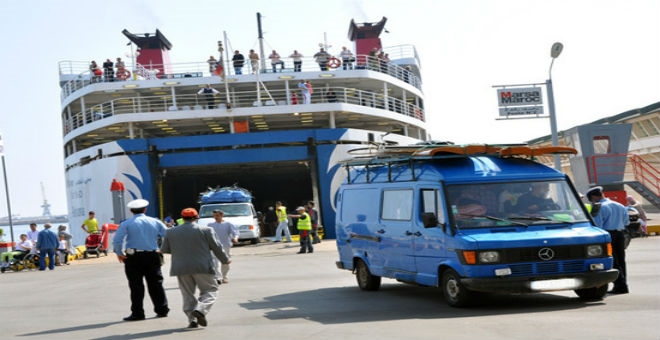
(227, 235)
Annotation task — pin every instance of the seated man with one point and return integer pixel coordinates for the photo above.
(536, 199)
(22, 249)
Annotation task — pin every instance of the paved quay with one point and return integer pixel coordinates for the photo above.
(89, 298)
(275, 293)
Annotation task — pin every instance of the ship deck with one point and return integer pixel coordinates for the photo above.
(371, 96)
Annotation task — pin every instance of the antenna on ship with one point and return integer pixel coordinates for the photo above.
(46, 206)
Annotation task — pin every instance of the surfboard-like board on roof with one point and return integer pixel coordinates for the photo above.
(530, 151)
(467, 150)
(388, 150)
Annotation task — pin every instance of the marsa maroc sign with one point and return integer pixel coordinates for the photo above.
(520, 101)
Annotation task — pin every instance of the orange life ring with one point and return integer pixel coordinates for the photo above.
(123, 74)
(333, 62)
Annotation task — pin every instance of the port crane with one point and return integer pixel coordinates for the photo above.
(46, 205)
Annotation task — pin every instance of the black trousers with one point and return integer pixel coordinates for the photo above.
(145, 266)
(619, 255)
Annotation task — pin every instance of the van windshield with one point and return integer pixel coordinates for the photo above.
(230, 209)
(514, 203)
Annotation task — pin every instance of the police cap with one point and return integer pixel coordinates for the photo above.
(137, 204)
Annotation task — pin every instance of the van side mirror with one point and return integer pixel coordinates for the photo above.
(429, 220)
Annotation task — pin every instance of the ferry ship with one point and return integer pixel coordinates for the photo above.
(147, 128)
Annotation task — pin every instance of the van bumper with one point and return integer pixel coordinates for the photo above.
(540, 283)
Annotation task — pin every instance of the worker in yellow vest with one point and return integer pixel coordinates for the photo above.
(283, 225)
(304, 230)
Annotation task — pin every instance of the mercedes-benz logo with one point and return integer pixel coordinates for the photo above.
(546, 254)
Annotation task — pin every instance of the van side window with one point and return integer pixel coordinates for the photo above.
(397, 205)
(353, 200)
(432, 203)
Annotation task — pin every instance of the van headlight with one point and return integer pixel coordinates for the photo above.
(594, 250)
(490, 256)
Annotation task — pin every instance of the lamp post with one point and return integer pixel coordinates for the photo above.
(4, 173)
(555, 51)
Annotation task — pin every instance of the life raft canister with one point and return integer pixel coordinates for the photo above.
(333, 62)
(123, 74)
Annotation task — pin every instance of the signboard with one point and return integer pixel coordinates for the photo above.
(520, 101)
(521, 110)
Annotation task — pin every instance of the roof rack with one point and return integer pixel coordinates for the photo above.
(389, 155)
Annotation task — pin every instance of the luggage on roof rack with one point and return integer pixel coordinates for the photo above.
(231, 194)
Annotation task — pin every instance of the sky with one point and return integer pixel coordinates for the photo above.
(610, 62)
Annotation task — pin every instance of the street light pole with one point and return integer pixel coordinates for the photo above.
(4, 173)
(554, 53)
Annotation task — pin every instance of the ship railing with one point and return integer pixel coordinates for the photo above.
(243, 99)
(76, 75)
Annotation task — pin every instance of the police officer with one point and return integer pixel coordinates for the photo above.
(613, 217)
(141, 260)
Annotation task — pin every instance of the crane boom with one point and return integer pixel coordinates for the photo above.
(45, 205)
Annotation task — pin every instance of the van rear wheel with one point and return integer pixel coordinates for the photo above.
(365, 280)
(455, 293)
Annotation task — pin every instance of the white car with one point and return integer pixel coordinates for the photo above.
(242, 215)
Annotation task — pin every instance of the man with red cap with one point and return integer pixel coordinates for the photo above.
(192, 263)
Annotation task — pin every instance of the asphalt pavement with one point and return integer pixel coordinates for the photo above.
(275, 293)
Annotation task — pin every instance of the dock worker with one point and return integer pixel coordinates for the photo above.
(283, 225)
(304, 230)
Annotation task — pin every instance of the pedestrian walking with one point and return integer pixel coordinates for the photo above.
(136, 245)
(192, 263)
(227, 234)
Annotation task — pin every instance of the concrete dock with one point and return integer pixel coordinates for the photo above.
(275, 293)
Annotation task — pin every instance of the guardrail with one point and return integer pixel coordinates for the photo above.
(600, 166)
(82, 76)
(193, 101)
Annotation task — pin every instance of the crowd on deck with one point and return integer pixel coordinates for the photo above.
(377, 60)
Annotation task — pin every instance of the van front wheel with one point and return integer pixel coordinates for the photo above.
(365, 280)
(455, 293)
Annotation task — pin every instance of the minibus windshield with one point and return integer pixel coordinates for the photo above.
(526, 203)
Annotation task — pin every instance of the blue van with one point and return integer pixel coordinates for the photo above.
(469, 219)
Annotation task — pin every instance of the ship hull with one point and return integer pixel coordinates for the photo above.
(289, 166)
